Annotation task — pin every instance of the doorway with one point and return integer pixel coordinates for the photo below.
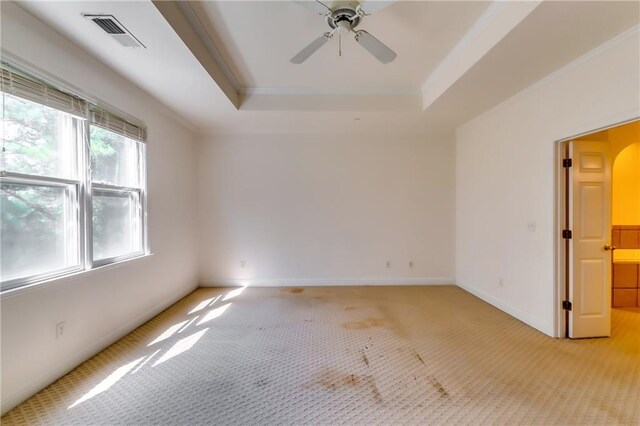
(598, 226)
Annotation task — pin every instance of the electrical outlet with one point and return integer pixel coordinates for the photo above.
(60, 329)
(388, 264)
(531, 226)
(411, 264)
(501, 282)
(243, 264)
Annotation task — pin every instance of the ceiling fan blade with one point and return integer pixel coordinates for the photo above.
(310, 49)
(375, 47)
(369, 7)
(315, 5)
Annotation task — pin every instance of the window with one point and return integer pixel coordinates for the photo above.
(117, 176)
(39, 190)
(39, 224)
(66, 205)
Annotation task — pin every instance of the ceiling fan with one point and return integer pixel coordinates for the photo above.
(343, 17)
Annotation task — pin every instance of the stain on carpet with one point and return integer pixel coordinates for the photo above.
(364, 324)
(438, 386)
(365, 359)
(331, 380)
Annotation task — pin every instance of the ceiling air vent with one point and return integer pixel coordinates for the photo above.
(115, 29)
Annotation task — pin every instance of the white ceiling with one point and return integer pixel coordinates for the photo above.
(165, 69)
(325, 94)
(553, 35)
(257, 39)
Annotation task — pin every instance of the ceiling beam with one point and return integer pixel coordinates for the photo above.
(193, 34)
(495, 23)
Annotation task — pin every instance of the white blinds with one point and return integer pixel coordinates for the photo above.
(106, 120)
(15, 84)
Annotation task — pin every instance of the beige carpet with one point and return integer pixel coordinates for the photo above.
(349, 355)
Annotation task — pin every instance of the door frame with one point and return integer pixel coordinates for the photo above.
(561, 202)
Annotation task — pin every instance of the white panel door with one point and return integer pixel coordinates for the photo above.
(590, 213)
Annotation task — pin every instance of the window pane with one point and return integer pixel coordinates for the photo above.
(114, 159)
(38, 140)
(116, 224)
(38, 229)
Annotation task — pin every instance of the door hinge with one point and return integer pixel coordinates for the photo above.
(566, 234)
(566, 305)
(567, 162)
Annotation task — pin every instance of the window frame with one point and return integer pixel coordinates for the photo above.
(75, 207)
(81, 203)
(140, 216)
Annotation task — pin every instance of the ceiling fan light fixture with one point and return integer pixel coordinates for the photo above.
(344, 27)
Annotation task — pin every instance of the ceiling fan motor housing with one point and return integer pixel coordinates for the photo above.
(343, 14)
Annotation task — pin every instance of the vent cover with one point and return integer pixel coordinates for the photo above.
(115, 29)
(108, 25)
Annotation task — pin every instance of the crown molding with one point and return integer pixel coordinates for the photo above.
(330, 91)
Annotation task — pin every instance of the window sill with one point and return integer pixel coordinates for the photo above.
(69, 278)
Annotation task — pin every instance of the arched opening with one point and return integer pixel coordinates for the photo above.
(625, 143)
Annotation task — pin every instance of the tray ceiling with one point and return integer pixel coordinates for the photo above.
(229, 71)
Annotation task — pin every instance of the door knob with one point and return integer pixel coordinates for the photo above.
(608, 247)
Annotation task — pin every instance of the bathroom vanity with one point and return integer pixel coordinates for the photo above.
(625, 278)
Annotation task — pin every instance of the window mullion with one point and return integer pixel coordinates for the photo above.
(142, 164)
(87, 206)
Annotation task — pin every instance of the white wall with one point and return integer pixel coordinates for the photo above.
(326, 210)
(505, 176)
(102, 305)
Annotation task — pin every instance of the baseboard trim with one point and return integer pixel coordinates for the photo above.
(39, 383)
(325, 282)
(510, 310)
